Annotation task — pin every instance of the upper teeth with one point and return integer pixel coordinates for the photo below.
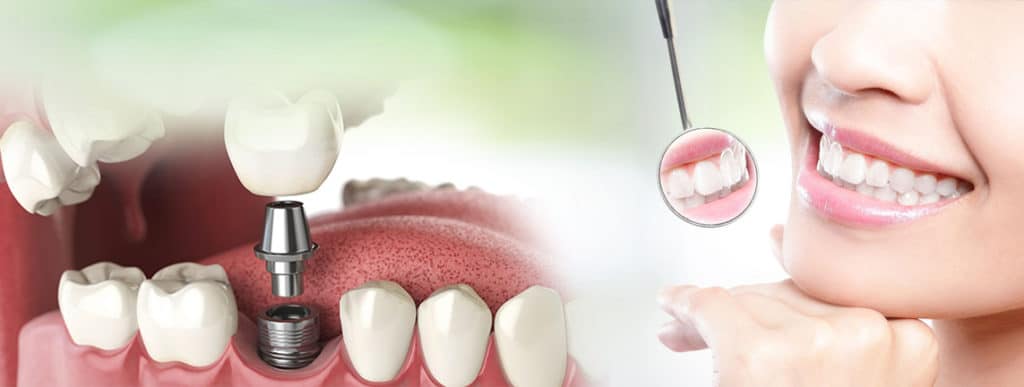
(40, 175)
(92, 127)
(282, 148)
(187, 313)
(707, 181)
(529, 331)
(878, 179)
(98, 304)
(377, 321)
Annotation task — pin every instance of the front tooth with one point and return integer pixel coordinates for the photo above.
(835, 155)
(282, 148)
(725, 165)
(679, 184)
(92, 126)
(901, 180)
(530, 334)
(909, 198)
(885, 194)
(853, 169)
(39, 173)
(707, 178)
(878, 174)
(823, 147)
(377, 322)
(694, 201)
(187, 313)
(946, 187)
(454, 326)
(98, 304)
(925, 184)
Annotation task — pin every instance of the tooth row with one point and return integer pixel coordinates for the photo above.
(878, 179)
(707, 180)
(187, 313)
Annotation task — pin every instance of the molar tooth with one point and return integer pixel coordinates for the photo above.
(925, 184)
(39, 173)
(707, 178)
(885, 194)
(187, 313)
(946, 187)
(454, 326)
(377, 322)
(878, 174)
(679, 184)
(530, 335)
(853, 169)
(694, 201)
(929, 198)
(865, 189)
(901, 180)
(98, 304)
(909, 198)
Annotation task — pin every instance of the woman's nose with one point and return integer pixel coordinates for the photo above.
(877, 48)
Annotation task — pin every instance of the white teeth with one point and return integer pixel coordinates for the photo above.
(707, 178)
(929, 198)
(729, 170)
(835, 159)
(853, 169)
(40, 175)
(98, 304)
(925, 184)
(946, 187)
(902, 180)
(909, 198)
(878, 174)
(377, 322)
(865, 189)
(454, 326)
(92, 126)
(187, 313)
(679, 184)
(885, 194)
(530, 334)
(282, 148)
(694, 201)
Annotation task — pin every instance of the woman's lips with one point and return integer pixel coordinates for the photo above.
(851, 208)
(697, 145)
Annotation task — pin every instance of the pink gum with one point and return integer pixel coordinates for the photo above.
(50, 358)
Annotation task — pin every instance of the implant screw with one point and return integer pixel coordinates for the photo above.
(285, 246)
(289, 336)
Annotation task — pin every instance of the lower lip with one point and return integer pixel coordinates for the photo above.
(727, 208)
(848, 207)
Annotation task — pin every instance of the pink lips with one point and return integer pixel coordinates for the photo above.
(849, 207)
(694, 147)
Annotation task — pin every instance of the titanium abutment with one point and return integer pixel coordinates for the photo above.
(289, 335)
(285, 246)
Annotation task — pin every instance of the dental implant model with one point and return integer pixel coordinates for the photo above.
(289, 334)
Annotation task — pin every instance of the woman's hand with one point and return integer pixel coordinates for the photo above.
(775, 335)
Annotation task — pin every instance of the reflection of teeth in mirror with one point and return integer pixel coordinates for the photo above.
(882, 180)
(705, 181)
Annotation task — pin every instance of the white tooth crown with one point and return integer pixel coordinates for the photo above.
(530, 335)
(878, 179)
(708, 180)
(282, 148)
(187, 313)
(40, 175)
(377, 321)
(97, 304)
(454, 326)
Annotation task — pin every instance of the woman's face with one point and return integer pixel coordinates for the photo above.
(914, 208)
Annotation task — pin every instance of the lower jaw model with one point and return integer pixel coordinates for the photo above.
(410, 285)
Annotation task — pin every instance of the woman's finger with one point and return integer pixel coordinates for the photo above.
(713, 313)
(788, 293)
(679, 337)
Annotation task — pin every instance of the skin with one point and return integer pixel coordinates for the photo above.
(938, 80)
